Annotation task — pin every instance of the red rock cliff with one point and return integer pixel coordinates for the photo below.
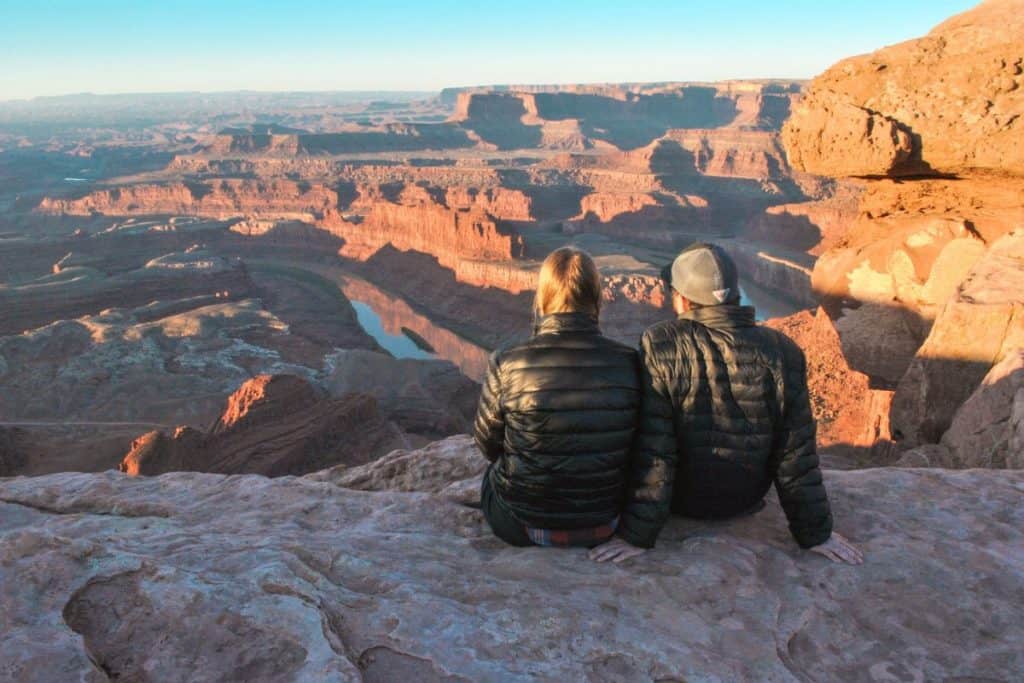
(922, 286)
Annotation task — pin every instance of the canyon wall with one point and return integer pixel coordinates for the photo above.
(219, 198)
(431, 229)
(586, 117)
(786, 273)
(402, 137)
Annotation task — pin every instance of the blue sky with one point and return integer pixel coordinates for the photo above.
(52, 47)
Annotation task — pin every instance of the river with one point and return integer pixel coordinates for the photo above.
(398, 345)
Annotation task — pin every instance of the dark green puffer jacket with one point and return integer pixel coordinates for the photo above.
(725, 414)
(557, 417)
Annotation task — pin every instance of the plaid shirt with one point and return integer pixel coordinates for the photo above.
(564, 538)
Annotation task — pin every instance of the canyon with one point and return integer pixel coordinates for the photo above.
(241, 346)
(252, 248)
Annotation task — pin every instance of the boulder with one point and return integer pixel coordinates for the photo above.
(927, 455)
(948, 102)
(878, 340)
(452, 467)
(988, 429)
(979, 326)
(193, 575)
(823, 125)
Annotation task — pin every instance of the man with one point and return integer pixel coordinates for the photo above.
(724, 414)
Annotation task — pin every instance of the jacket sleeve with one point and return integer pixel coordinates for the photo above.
(653, 462)
(489, 426)
(795, 458)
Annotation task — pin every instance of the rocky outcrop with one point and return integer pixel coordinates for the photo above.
(913, 242)
(430, 398)
(924, 284)
(273, 425)
(980, 326)
(852, 417)
(949, 102)
(129, 578)
(988, 429)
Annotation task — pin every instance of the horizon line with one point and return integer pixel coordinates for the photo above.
(87, 93)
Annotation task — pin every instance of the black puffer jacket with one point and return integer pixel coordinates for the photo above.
(557, 417)
(725, 413)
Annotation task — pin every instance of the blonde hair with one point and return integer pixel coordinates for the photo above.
(569, 283)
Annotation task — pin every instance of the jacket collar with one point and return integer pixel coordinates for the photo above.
(560, 323)
(726, 316)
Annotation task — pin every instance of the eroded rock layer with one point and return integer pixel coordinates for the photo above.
(949, 102)
(272, 425)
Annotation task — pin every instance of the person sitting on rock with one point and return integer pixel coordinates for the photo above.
(557, 417)
(725, 413)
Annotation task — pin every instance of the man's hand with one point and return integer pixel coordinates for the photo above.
(616, 550)
(838, 549)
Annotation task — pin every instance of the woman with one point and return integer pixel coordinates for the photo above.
(557, 417)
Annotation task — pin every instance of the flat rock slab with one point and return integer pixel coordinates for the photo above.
(197, 577)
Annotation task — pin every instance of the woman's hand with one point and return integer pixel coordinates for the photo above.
(617, 550)
(838, 549)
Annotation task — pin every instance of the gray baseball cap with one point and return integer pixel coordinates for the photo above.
(704, 274)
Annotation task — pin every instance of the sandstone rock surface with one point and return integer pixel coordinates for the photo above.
(272, 425)
(924, 286)
(988, 429)
(851, 415)
(979, 326)
(156, 363)
(195, 575)
(947, 102)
